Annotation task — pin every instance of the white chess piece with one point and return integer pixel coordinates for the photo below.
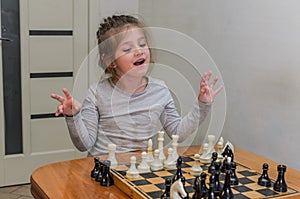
(177, 190)
(160, 140)
(170, 162)
(132, 172)
(211, 144)
(174, 146)
(149, 152)
(220, 147)
(196, 168)
(156, 164)
(205, 157)
(144, 167)
(112, 156)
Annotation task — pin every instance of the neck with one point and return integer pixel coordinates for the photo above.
(132, 84)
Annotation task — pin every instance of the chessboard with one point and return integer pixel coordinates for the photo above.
(152, 185)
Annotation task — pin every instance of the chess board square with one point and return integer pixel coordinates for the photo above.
(149, 188)
(253, 194)
(157, 180)
(241, 188)
(148, 175)
(173, 171)
(163, 173)
(267, 192)
(155, 194)
(140, 182)
(187, 159)
(162, 186)
(240, 196)
(184, 165)
(189, 189)
(245, 181)
(123, 173)
(247, 173)
(190, 181)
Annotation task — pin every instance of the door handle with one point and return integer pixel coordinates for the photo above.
(5, 39)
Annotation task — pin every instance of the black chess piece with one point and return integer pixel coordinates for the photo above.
(198, 188)
(223, 165)
(178, 174)
(203, 185)
(107, 179)
(214, 157)
(280, 184)
(211, 190)
(264, 179)
(182, 178)
(227, 152)
(227, 192)
(233, 177)
(100, 173)
(218, 187)
(166, 194)
(96, 168)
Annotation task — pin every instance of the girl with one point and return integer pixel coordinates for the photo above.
(125, 108)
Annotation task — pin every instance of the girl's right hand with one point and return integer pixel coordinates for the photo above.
(68, 105)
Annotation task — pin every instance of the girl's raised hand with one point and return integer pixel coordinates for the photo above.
(68, 106)
(207, 94)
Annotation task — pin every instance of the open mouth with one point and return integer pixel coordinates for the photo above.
(139, 62)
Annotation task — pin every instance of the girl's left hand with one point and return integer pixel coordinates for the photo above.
(207, 94)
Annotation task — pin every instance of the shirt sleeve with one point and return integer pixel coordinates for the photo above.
(83, 126)
(173, 123)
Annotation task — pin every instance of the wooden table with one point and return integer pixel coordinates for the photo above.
(71, 179)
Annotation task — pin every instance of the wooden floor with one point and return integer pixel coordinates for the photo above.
(16, 192)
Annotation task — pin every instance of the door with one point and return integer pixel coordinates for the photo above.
(53, 37)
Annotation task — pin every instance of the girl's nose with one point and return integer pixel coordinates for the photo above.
(138, 52)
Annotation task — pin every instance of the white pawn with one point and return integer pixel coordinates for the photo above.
(144, 167)
(149, 154)
(174, 146)
(156, 164)
(160, 144)
(132, 172)
(205, 157)
(112, 156)
(170, 162)
(196, 168)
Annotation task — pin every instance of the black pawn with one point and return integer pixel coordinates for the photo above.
(166, 194)
(264, 179)
(203, 185)
(280, 184)
(178, 174)
(96, 168)
(100, 173)
(214, 158)
(198, 188)
(227, 192)
(233, 178)
(107, 179)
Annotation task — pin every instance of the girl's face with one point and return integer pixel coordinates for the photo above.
(132, 55)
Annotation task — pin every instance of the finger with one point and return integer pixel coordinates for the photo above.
(218, 90)
(208, 75)
(214, 82)
(67, 93)
(58, 98)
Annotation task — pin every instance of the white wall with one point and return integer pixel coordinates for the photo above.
(256, 46)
